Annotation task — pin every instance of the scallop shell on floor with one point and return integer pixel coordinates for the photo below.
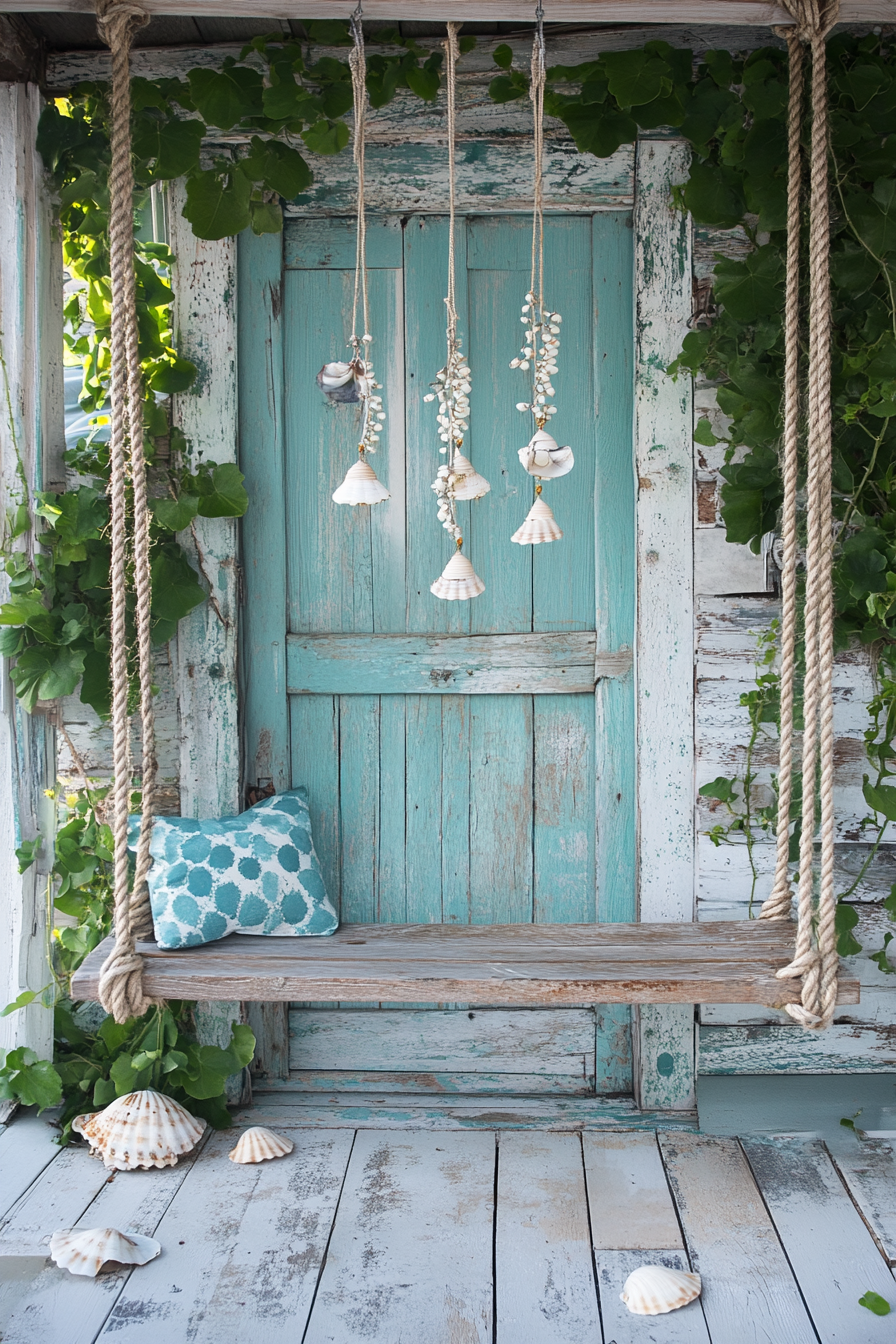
(143, 1129)
(260, 1145)
(86, 1250)
(458, 581)
(539, 526)
(468, 484)
(653, 1290)
(543, 456)
(360, 486)
(339, 381)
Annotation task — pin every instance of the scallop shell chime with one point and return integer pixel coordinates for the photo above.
(539, 526)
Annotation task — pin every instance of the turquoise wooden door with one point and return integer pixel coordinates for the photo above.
(431, 804)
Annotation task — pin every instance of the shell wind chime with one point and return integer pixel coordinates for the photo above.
(542, 457)
(354, 380)
(457, 479)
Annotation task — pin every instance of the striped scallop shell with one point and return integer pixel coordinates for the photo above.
(539, 526)
(360, 486)
(86, 1250)
(260, 1145)
(544, 457)
(143, 1129)
(458, 580)
(653, 1290)
(468, 484)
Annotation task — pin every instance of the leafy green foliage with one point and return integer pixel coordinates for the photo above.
(29, 1080)
(874, 1302)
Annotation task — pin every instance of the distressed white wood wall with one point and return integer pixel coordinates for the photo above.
(31, 442)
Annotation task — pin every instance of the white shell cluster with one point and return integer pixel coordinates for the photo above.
(543, 456)
(260, 1145)
(539, 526)
(542, 359)
(458, 581)
(452, 388)
(86, 1250)
(142, 1129)
(653, 1290)
(360, 485)
(341, 381)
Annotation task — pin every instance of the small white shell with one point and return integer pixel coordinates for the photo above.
(543, 456)
(86, 1250)
(342, 382)
(539, 526)
(335, 374)
(360, 486)
(143, 1129)
(260, 1145)
(458, 580)
(653, 1290)
(468, 484)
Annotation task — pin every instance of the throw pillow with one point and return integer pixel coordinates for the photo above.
(255, 873)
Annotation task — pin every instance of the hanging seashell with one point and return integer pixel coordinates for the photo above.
(468, 484)
(458, 580)
(86, 1250)
(653, 1290)
(260, 1145)
(539, 526)
(360, 486)
(340, 381)
(143, 1129)
(543, 456)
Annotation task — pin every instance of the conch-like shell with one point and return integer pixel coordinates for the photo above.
(653, 1290)
(342, 382)
(143, 1129)
(86, 1250)
(458, 580)
(543, 456)
(539, 526)
(360, 485)
(260, 1145)
(468, 484)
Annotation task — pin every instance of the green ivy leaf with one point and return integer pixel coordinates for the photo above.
(503, 56)
(597, 129)
(881, 798)
(218, 203)
(224, 97)
(42, 673)
(880, 958)
(221, 491)
(329, 32)
(326, 137)
(175, 514)
(874, 217)
(172, 375)
(279, 168)
(636, 77)
(175, 585)
(846, 917)
(714, 195)
(753, 287)
(424, 81)
(171, 146)
(507, 88)
(29, 1080)
(266, 217)
(721, 788)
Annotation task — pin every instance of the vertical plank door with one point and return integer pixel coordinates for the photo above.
(431, 805)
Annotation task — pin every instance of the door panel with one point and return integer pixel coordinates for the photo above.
(438, 806)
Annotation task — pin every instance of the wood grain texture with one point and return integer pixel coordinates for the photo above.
(57, 1198)
(411, 1252)
(241, 1243)
(868, 1168)
(628, 1195)
(534, 664)
(544, 1276)
(828, 1245)
(520, 964)
(749, 1293)
(26, 1148)
(842, 1048)
(685, 1326)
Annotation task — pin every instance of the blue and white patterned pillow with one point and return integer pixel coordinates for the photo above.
(255, 873)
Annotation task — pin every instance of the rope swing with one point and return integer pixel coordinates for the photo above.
(121, 978)
(815, 956)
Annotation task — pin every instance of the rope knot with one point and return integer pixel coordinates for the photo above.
(118, 20)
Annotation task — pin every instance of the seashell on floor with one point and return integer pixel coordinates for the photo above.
(653, 1290)
(260, 1145)
(86, 1250)
(142, 1129)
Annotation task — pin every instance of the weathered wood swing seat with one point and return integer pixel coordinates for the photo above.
(526, 965)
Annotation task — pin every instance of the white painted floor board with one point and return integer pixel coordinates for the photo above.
(410, 1260)
(544, 1275)
(749, 1293)
(56, 1199)
(869, 1169)
(685, 1326)
(829, 1247)
(26, 1147)
(631, 1206)
(242, 1246)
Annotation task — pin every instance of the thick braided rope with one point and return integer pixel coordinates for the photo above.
(121, 977)
(815, 955)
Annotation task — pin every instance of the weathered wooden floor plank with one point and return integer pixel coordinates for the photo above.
(26, 1148)
(410, 1258)
(829, 1247)
(869, 1170)
(544, 1276)
(58, 1198)
(63, 1308)
(749, 1293)
(240, 1244)
(628, 1194)
(685, 1326)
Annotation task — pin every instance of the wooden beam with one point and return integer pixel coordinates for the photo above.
(21, 52)
(734, 12)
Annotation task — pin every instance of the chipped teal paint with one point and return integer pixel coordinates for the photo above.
(448, 808)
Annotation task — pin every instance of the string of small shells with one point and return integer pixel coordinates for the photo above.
(542, 457)
(456, 478)
(356, 380)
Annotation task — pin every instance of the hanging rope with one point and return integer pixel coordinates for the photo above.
(536, 94)
(452, 55)
(815, 956)
(358, 65)
(121, 978)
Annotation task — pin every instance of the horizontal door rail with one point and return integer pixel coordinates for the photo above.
(530, 664)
